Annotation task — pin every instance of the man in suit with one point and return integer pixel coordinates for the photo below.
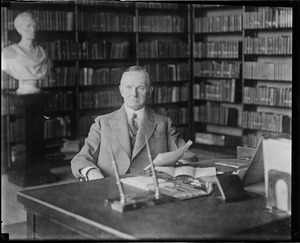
(122, 133)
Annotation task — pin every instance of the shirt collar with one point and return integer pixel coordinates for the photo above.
(140, 113)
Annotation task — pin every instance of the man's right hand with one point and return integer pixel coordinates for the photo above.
(94, 174)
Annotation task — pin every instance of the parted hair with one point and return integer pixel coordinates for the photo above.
(141, 69)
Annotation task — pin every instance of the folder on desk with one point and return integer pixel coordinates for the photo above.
(254, 178)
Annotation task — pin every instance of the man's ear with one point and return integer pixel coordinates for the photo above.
(150, 91)
(121, 91)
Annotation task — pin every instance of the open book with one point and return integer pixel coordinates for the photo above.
(187, 170)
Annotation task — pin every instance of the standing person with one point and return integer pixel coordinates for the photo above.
(26, 61)
(122, 133)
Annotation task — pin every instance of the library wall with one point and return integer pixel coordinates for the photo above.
(208, 64)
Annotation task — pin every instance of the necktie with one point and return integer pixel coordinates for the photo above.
(133, 125)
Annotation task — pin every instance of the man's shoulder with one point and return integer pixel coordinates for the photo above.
(159, 117)
(106, 117)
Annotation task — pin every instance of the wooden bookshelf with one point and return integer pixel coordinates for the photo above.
(220, 70)
(267, 90)
(217, 75)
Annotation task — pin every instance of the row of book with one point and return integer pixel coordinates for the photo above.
(70, 50)
(161, 72)
(179, 115)
(46, 19)
(103, 3)
(266, 121)
(217, 69)
(268, 17)
(60, 77)
(8, 82)
(160, 49)
(218, 24)
(62, 49)
(216, 114)
(104, 49)
(217, 49)
(57, 127)
(159, 23)
(168, 94)
(215, 90)
(268, 71)
(251, 140)
(269, 96)
(60, 101)
(269, 45)
(157, 5)
(100, 76)
(105, 21)
(99, 99)
(204, 6)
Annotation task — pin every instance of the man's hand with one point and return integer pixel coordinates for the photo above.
(94, 174)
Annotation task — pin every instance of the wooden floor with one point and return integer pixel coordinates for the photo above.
(13, 219)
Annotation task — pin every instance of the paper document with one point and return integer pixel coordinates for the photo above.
(170, 158)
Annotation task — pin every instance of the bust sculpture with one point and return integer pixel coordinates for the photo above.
(26, 61)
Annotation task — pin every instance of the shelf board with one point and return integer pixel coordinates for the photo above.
(107, 32)
(176, 104)
(163, 58)
(50, 88)
(215, 124)
(216, 101)
(268, 55)
(169, 82)
(205, 78)
(268, 80)
(269, 29)
(265, 131)
(219, 33)
(268, 106)
(237, 59)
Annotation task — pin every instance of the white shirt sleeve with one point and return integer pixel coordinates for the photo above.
(85, 170)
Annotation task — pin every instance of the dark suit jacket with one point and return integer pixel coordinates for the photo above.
(109, 136)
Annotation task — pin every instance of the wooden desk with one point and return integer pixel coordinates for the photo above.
(77, 211)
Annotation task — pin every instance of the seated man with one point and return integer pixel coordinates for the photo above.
(122, 133)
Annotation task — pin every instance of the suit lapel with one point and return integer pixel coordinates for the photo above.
(119, 125)
(147, 127)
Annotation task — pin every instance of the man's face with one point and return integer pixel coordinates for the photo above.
(28, 29)
(135, 89)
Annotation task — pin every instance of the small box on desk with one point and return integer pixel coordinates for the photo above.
(245, 152)
(229, 188)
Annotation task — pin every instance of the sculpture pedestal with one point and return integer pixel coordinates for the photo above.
(31, 166)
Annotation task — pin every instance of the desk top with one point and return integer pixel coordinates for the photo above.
(81, 205)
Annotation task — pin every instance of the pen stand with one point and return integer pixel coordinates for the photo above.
(137, 201)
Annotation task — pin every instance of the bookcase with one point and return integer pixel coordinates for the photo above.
(222, 72)
(91, 43)
(242, 74)
(163, 40)
(267, 91)
(217, 75)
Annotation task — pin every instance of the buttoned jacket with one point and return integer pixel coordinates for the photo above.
(109, 138)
